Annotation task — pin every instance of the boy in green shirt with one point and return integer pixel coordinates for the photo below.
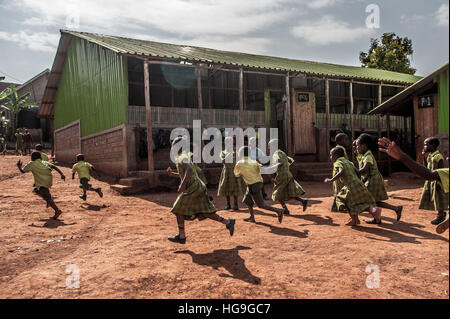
(43, 179)
(83, 169)
(43, 155)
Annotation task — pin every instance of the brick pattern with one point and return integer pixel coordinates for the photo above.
(67, 143)
(108, 147)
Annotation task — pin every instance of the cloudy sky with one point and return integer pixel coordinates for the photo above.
(332, 31)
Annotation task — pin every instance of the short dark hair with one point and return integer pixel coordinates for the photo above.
(434, 141)
(39, 147)
(340, 137)
(368, 140)
(338, 151)
(35, 155)
(80, 157)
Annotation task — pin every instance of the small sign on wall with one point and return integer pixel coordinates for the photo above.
(426, 101)
(303, 97)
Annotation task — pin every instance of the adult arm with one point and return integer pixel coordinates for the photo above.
(391, 149)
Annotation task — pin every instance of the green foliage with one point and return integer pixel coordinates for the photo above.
(390, 54)
(15, 103)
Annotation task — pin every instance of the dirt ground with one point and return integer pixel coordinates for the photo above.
(120, 247)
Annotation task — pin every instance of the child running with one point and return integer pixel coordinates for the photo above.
(353, 197)
(84, 174)
(198, 170)
(43, 155)
(43, 179)
(250, 171)
(192, 201)
(371, 176)
(433, 195)
(342, 141)
(230, 185)
(285, 186)
(440, 174)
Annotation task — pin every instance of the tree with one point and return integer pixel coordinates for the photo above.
(391, 54)
(10, 99)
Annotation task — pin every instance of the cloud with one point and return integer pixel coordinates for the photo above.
(225, 17)
(442, 15)
(318, 4)
(37, 41)
(328, 30)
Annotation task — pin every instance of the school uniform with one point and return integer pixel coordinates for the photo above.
(197, 169)
(286, 187)
(2, 145)
(43, 179)
(83, 169)
(353, 197)
(250, 172)
(194, 200)
(373, 179)
(19, 141)
(434, 196)
(44, 156)
(229, 184)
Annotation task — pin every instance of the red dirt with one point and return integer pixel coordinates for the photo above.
(120, 246)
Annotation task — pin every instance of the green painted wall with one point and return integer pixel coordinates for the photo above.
(443, 102)
(93, 88)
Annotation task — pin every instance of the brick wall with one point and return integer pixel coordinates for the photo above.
(107, 151)
(67, 142)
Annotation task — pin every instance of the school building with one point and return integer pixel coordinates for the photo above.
(426, 103)
(104, 94)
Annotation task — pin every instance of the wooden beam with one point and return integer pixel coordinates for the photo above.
(388, 126)
(148, 117)
(288, 118)
(327, 116)
(241, 96)
(200, 107)
(380, 100)
(352, 111)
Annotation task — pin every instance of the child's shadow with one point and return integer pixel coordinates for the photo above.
(228, 259)
(285, 231)
(96, 208)
(51, 223)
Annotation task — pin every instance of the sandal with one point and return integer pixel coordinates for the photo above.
(373, 222)
(250, 219)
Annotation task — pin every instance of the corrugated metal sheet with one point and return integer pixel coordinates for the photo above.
(391, 105)
(197, 54)
(443, 102)
(93, 88)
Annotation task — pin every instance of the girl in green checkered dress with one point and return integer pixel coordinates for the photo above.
(230, 185)
(285, 186)
(371, 176)
(353, 197)
(192, 201)
(433, 196)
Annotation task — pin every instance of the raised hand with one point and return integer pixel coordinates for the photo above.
(390, 148)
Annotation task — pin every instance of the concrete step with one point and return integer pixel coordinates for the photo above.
(121, 189)
(134, 181)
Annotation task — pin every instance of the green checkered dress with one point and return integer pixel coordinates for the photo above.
(373, 179)
(197, 169)
(229, 184)
(353, 197)
(286, 187)
(194, 200)
(433, 195)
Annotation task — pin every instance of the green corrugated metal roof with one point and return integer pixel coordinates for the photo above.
(197, 54)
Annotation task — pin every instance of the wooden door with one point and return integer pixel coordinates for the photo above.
(425, 124)
(303, 114)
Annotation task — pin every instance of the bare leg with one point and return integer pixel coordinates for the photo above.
(285, 209)
(304, 202)
(440, 217)
(273, 209)
(396, 209)
(235, 207)
(227, 222)
(228, 203)
(252, 215)
(376, 213)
